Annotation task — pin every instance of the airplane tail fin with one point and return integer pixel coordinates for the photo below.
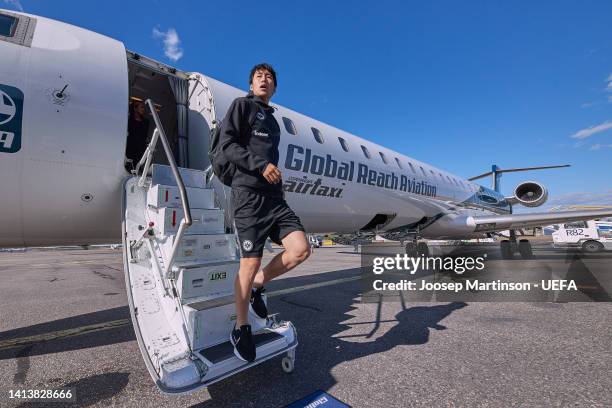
(496, 173)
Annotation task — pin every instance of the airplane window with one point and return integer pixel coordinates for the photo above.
(343, 144)
(441, 176)
(423, 170)
(365, 151)
(449, 180)
(317, 135)
(455, 180)
(412, 167)
(575, 224)
(289, 126)
(8, 24)
(398, 163)
(382, 156)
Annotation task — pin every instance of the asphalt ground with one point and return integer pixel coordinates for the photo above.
(64, 323)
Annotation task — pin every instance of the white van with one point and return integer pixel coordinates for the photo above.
(591, 236)
(315, 241)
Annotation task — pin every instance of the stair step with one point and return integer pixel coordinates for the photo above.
(210, 319)
(162, 174)
(224, 351)
(202, 303)
(205, 221)
(168, 196)
(215, 279)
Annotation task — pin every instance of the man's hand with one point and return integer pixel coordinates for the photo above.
(272, 174)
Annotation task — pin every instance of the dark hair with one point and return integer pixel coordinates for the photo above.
(263, 66)
(132, 107)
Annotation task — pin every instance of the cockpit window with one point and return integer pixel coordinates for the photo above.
(8, 24)
(17, 28)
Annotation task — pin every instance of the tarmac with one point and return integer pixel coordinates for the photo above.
(65, 323)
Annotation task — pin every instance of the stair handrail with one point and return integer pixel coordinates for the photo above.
(146, 159)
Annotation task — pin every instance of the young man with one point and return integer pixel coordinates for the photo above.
(249, 138)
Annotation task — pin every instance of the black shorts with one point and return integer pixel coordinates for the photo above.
(258, 217)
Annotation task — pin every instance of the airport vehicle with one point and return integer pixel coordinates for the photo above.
(590, 235)
(315, 241)
(64, 103)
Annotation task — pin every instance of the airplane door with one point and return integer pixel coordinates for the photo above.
(201, 119)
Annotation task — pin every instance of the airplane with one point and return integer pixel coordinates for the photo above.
(65, 94)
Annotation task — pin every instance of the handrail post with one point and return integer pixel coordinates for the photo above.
(147, 158)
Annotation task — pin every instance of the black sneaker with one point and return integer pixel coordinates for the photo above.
(257, 305)
(242, 340)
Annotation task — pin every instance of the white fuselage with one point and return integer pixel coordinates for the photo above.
(63, 183)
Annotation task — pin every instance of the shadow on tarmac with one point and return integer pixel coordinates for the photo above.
(317, 315)
(105, 385)
(112, 335)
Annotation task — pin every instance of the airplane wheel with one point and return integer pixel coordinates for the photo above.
(506, 249)
(422, 249)
(411, 249)
(592, 247)
(287, 364)
(525, 250)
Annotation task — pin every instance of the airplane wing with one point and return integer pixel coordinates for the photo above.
(492, 223)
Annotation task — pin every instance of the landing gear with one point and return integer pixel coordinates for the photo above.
(506, 249)
(509, 247)
(422, 249)
(415, 249)
(525, 250)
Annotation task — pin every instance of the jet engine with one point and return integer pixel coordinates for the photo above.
(529, 194)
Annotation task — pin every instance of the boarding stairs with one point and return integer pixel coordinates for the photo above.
(181, 262)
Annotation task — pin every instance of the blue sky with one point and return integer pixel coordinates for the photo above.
(460, 85)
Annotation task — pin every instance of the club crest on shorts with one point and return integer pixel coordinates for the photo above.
(260, 116)
(247, 245)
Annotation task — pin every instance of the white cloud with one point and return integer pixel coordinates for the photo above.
(590, 131)
(599, 146)
(14, 3)
(564, 202)
(609, 82)
(581, 198)
(171, 41)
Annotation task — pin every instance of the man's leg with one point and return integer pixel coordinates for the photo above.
(242, 288)
(296, 251)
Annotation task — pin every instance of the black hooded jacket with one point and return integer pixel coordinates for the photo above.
(249, 138)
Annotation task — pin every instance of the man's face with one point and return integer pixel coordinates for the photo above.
(140, 108)
(263, 84)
